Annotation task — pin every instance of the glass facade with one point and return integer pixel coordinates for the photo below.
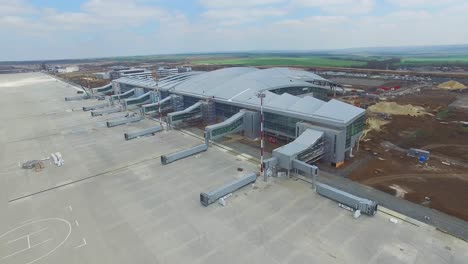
(226, 110)
(354, 128)
(189, 101)
(283, 124)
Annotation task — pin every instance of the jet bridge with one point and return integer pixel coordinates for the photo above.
(126, 95)
(308, 147)
(100, 112)
(154, 107)
(123, 121)
(166, 159)
(207, 198)
(141, 133)
(364, 205)
(190, 113)
(146, 98)
(103, 90)
(229, 126)
(78, 97)
(94, 107)
(297, 155)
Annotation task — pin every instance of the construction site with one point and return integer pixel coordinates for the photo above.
(430, 117)
(237, 164)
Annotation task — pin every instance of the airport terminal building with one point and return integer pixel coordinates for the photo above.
(295, 101)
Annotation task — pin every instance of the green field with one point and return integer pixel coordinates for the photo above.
(421, 61)
(282, 61)
(327, 61)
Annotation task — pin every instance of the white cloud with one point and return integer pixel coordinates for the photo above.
(351, 7)
(18, 7)
(423, 3)
(125, 10)
(239, 16)
(314, 20)
(107, 28)
(237, 3)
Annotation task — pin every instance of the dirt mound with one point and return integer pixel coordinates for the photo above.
(393, 108)
(373, 124)
(452, 85)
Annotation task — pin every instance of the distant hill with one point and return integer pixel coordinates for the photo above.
(435, 51)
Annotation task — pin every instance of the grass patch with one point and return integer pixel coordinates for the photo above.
(283, 61)
(436, 61)
(421, 134)
(442, 114)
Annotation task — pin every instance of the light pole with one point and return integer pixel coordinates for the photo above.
(261, 94)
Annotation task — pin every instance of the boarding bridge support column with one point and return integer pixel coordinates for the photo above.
(309, 170)
(270, 166)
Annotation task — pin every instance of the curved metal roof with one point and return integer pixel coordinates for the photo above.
(239, 85)
(229, 83)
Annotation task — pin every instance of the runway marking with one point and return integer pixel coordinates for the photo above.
(76, 223)
(82, 244)
(29, 247)
(26, 222)
(25, 196)
(28, 235)
(40, 243)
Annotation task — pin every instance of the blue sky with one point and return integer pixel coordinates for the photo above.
(53, 29)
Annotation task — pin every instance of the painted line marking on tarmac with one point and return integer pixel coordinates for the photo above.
(24, 249)
(76, 223)
(46, 254)
(28, 235)
(82, 244)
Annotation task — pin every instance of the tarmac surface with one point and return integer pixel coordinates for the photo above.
(113, 202)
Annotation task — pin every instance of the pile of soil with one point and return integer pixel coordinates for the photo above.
(393, 108)
(452, 85)
(432, 99)
(395, 173)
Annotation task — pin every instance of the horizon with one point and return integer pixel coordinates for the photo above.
(55, 30)
(317, 52)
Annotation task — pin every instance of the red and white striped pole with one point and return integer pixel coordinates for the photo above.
(261, 95)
